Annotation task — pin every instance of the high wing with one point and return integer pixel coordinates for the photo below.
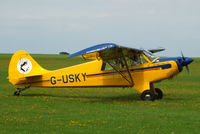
(109, 52)
(106, 51)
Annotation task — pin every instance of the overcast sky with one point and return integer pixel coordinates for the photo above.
(51, 26)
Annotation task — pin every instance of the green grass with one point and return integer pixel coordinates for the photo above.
(99, 110)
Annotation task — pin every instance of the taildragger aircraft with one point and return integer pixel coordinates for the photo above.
(112, 66)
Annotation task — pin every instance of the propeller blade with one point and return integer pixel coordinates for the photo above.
(183, 57)
(183, 60)
(188, 69)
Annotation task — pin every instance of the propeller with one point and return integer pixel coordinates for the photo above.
(184, 60)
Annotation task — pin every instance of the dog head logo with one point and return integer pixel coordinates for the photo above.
(24, 66)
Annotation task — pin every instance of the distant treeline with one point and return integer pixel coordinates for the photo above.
(66, 53)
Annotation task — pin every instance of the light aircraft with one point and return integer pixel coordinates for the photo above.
(112, 66)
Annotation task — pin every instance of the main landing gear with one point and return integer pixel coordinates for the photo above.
(19, 90)
(150, 95)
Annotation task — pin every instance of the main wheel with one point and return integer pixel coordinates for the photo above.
(159, 94)
(148, 95)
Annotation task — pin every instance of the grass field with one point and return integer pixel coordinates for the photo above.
(99, 110)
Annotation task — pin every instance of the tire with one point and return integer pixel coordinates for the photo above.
(159, 94)
(148, 95)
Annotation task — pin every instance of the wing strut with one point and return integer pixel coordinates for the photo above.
(119, 72)
(127, 68)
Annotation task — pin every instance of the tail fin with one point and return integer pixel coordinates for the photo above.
(22, 66)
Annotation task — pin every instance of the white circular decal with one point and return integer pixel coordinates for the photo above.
(24, 66)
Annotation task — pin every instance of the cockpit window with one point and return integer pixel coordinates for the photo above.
(132, 59)
(137, 59)
(116, 63)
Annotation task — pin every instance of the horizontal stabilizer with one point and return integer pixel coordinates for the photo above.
(156, 50)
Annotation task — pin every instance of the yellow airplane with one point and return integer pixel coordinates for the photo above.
(112, 66)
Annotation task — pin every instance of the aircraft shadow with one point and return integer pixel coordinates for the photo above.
(103, 99)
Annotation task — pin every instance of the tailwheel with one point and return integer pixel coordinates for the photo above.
(148, 95)
(159, 93)
(19, 90)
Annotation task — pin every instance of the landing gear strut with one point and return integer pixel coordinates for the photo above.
(19, 90)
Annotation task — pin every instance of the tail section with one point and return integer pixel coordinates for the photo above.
(22, 67)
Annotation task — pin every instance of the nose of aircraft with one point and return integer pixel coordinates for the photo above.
(181, 62)
(186, 61)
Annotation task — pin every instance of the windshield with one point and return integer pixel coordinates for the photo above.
(149, 55)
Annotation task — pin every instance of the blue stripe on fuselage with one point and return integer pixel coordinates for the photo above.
(166, 66)
(178, 61)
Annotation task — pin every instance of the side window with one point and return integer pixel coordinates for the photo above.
(106, 66)
(137, 59)
(133, 60)
(116, 63)
(142, 59)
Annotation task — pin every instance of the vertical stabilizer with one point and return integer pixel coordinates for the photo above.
(22, 66)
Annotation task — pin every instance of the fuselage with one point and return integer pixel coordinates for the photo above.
(92, 74)
(139, 71)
